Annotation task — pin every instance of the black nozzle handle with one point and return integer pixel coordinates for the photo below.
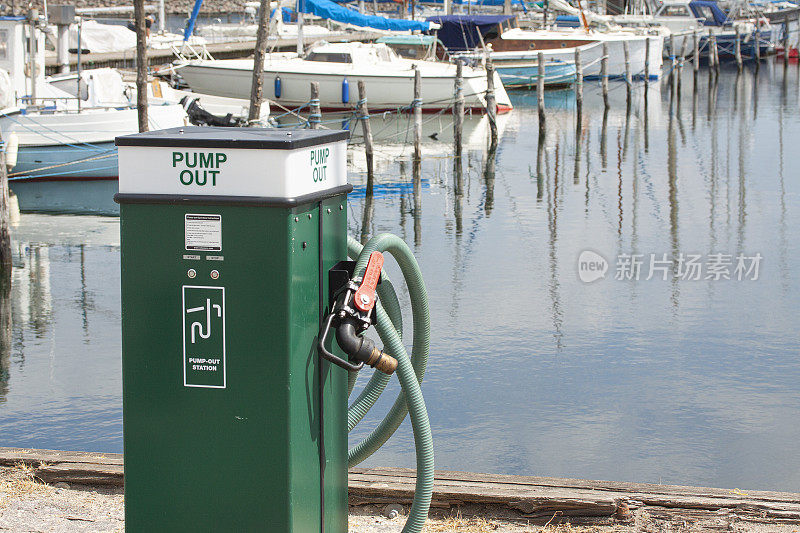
(347, 365)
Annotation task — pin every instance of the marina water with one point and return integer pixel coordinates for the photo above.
(533, 370)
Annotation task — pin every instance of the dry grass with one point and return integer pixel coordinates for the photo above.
(457, 523)
(19, 481)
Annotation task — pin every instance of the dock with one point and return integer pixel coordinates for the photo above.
(223, 50)
(528, 498)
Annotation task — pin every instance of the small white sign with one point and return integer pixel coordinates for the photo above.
(203, 232)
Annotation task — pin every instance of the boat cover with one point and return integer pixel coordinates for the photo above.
(720, 18)
(464, 32)
(328, 9)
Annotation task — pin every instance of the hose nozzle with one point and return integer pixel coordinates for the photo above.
(382, 361)
(362, 348)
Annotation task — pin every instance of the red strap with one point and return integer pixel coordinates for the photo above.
(366, 294)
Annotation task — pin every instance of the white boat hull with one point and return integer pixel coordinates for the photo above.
(592, 51)
(390, 91)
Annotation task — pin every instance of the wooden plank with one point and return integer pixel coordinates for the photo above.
(617, 486)
(529, 496)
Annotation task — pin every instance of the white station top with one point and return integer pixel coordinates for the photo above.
(238, 162)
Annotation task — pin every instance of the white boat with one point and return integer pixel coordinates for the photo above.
(560, 44)
(507, 43)
(683, 18)
(389, 79)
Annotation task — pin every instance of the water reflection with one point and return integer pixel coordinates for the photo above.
(5, 336)
(623, 380)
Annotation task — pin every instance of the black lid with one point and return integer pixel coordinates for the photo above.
(214, 137)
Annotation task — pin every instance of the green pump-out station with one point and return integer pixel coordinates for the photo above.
(231, 420)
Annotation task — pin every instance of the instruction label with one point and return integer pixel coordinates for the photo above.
(203, 232)
(204, 337)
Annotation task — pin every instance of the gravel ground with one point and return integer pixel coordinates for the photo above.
(27, 505)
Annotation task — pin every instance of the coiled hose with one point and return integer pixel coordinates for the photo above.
(410, 370)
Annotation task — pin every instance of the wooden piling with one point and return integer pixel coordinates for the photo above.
(672, 48)
(646, 65)
(757, 49)
(417, 105)
(737, 51)
(540, 89)
(363, 115)
(5, 223)
(682, 57)
(628, 80)
(681, 61)
(785, 42)
(458, 107)
(713, 52)
(491, 101)
(695, 52)
(604, 74)
(256, 88)
(672, 63)
(578, 80)
(315, 115)
(141, 64)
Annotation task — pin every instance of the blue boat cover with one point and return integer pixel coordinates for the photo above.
(699, 6)
(464, 32)
(330, 10)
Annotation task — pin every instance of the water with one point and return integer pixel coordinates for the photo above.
(532, 371)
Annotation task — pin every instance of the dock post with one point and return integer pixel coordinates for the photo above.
(141, 64)
(672, 62)
(672, 48)
(681, 62)
(417, 105)
(713, 56)
(540, 89)
(300, 41)
(314, 114)
(256, 89)
(786, 42)
(458, 108)
(33, 20)
(604, 74)
(682, 57)
(738, 49)
(578, 81)
(5, 221)
(695, 53)
(78, 64)
(628, 81)
(757, 50)
(363, 115)
(491, 101)
(646, 65)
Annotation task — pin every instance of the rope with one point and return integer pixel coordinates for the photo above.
(97, 158)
